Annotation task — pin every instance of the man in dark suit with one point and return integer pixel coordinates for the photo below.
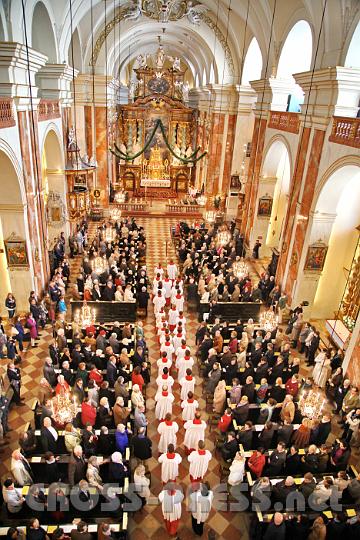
(111, 371)
(81, 532)
(108, 294)
(49, 437)
(77, 466)
(142, 445)
(229, 449)
(49, 372)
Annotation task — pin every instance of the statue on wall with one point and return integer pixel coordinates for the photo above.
(185, 91)
(175, 161)
(142, 60)
(176, 64)
(160, 58)
(133, 12)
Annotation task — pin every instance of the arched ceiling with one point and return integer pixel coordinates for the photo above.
(221, 39)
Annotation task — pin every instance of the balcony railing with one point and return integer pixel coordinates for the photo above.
(48, 110)
(285, 121)
(183, 209)
(7, 117)
(346, 131)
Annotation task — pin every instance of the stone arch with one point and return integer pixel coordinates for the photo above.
(42, 33)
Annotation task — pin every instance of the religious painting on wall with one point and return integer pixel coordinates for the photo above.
(16, 253)
(265, 206)
(315, 258)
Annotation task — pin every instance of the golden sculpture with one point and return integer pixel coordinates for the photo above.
(156, 168)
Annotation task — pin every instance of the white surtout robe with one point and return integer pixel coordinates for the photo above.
(169, 467)
(186, 387)
(169, 381)
(199, 463)
(171, 505)
(183, 364)
(167, 435)
(189, 409)
(194, 433)
(163, 405)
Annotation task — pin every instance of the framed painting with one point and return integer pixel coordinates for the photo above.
(315, 258)
(16, 253)
(265, 206)
(235, 181)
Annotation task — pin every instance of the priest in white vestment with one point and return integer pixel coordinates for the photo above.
(199, 462)
(168, 430)
(187, 384)
(171, 500)
(189, 407)
(164, 401)
(194, 432)
(170, 462)
(172, 270)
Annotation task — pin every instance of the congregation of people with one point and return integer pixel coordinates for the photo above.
(252, 380)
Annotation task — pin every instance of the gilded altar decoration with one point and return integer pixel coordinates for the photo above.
(16, 253)
(157, 132)
(165, 11)
(312, 404)
(86, 316)
(316, 255)
(350, 306)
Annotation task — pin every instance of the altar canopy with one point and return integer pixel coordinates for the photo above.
(157, 130)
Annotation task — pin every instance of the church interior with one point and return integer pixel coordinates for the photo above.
(179, 269)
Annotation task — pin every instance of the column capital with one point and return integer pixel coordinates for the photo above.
(220, 98)
(272, 94)
(54, 82)
(335, 92)
(84, 89)
(15, 67)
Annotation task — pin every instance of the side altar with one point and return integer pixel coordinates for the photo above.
(157, 131)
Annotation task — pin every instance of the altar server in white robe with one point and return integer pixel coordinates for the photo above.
(172, 315)
(200, 506)
(158, 301)
(170, 462)
(165, 336)
(181, 351)
(178, 300)
(194, 432)
(164, 362)
(189, 407)
(187, 384)
(159, 269)
(181, 318)
(199, 462)
(183, 364)
(156, 282)
(160, 318)
(165, 378)
(172, 270)
(177, 340)
(164, 401)
(171, 500)
(167, 347)
(167, 286)
(168, 430)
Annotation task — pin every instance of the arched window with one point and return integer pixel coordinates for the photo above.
(253, 63)
(296, 53)
(43, 39)
(353, 55)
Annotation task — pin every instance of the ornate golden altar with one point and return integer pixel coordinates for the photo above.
(158, 95)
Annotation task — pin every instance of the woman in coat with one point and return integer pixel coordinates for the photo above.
(31, 325)
(219, 397)
(121, 438)
(301, 436)
(10, 304)
(93, 474)
(120, 412)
